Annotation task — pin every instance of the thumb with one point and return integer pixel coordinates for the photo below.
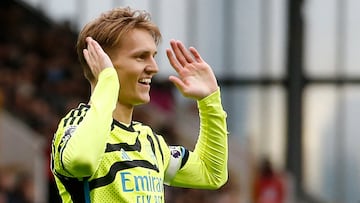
(177, 82)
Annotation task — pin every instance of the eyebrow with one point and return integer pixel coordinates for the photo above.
(144, 51)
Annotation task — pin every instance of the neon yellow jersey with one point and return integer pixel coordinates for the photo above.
(97, 159)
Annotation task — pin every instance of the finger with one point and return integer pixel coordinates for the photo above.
(177, 82)
(185, 52)
(178, 53)
(94, 48)
(89, 42)
(173, 62)
(90, 47)
(99, 53)
(89, 59)
(86, 55)
(97, 48)
(196, 54)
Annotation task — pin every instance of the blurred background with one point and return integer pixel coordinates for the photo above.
(288, 70)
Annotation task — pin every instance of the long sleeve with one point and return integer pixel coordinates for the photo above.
(206, 166)
(80, 140)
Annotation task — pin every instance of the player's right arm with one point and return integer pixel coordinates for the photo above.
(79, 145)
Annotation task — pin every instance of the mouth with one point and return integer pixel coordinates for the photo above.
(145, 81)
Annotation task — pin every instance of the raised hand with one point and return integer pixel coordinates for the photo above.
(195, 77)
(96, 58)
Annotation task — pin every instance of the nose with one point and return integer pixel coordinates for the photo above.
(152, 67)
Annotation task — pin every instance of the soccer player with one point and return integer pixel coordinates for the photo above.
(99, 154)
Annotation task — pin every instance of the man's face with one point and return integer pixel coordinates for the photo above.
(135, 64)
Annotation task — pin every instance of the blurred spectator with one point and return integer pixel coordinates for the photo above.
(15, 186)
(38, 68)
(269, 186)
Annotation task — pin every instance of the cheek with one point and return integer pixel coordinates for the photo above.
(128, 80)
(128, 74)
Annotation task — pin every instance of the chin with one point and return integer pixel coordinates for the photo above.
(143, 101)
(147, 101)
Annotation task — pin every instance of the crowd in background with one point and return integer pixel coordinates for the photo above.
(40, 80)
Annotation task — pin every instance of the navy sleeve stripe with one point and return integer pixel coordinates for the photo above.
(185, 157)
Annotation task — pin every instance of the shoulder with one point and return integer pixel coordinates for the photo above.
(69, 122)
(73, 114)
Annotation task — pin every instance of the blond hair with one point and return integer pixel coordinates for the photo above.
(109, 30)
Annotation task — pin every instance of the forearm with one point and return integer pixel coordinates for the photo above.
(84, 149)
(212, 144)
(207, 164)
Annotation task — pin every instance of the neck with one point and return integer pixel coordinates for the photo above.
(123, 113)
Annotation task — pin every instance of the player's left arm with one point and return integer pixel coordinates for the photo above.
(206, 166)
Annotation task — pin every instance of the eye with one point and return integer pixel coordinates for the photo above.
(141, 57)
